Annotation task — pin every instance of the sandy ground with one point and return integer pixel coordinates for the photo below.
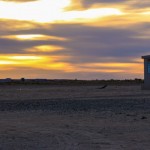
(74, 118)
(27, 92)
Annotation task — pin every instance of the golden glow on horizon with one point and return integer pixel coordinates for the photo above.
(122, 65)
(19, 59)
(35, 62)
(25, 57)
(146, 13)
(107, 67)
(7, 62)
(44, 48)
(33, 37)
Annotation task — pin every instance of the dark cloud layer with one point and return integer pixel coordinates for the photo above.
(99, 42)
(85, 42)
(132, 4)
(91, 2)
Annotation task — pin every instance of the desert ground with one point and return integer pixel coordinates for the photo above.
(45, 117)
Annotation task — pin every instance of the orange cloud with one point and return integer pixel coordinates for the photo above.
(33, 37)
(32, 61)
(44, 48)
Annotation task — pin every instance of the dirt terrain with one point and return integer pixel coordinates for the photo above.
(74, 118)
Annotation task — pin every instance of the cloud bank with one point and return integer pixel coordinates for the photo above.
(77, 42)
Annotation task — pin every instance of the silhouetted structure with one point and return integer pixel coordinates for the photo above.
(146, 85)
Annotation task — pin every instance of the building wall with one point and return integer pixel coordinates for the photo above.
(146, 74)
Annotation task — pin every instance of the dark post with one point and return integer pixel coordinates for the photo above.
(146, 85)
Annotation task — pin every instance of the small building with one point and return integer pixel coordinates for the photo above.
(146, 85)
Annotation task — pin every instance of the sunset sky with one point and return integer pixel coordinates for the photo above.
(69, 39)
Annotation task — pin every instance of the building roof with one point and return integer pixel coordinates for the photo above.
(146, 57)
